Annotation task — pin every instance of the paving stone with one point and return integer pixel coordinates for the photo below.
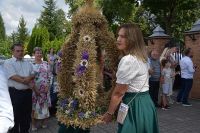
(178, 119)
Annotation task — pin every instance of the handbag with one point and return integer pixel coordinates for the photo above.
(123, 108)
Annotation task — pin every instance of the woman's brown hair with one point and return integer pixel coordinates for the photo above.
(37, 49)
(135, 42)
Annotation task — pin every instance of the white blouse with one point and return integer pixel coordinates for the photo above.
(134, 73)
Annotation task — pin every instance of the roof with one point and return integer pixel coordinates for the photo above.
(159, 32)
(195, 27)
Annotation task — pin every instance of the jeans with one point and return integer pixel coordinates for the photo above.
(186, 85)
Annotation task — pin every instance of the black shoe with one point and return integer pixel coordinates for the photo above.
(165, 108)
(168, 106)
(157, 105)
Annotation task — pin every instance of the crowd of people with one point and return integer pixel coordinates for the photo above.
(30, 86)
(27, 85)
(171, 70)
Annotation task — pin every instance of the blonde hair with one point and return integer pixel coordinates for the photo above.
(134, 40)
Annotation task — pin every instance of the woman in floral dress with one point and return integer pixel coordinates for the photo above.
(41, 97)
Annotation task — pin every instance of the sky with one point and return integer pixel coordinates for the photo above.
(12, 10)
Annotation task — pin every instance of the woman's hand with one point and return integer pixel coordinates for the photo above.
(37, 92)
(162, 81)
(107, 117)
(46, 89)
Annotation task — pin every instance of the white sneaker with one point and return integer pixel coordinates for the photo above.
(187, 104)
(34, 129)
(44, 126)
(171, 101)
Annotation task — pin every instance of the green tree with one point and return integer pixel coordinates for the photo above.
(175, 16)
(73, 4)
(48, 18)
(39, 38)
(62, 24)
(22, 31)
(5, 47)
(53, 19)
(2, 29)
(115, 12)
(14, 37)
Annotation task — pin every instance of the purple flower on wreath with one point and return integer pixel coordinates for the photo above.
(83, 64)
(74, 104)
(80, 70)
(94, 114)
(81, 115)
(64, 103)
(85, 55)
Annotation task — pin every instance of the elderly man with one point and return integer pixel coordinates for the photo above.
(154, 80)
(6, 109)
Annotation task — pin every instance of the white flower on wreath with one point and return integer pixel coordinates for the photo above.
(70, 103)
(87, 114)
(81, 92)
(87, 38)
(84, 62)
(67, 111)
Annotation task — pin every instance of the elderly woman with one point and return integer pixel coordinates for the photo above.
(41, 96)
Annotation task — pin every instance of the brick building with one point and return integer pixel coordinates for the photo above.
(158, 40)
(192, 40)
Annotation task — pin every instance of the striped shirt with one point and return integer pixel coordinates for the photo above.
(155, 65)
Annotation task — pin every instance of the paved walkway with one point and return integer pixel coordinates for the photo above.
(178, 119)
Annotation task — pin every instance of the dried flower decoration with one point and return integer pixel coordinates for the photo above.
(85, 55)
(81, 92)
(87, 38)
(84, 63)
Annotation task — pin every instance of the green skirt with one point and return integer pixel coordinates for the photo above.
(142, 115)
(70, 129)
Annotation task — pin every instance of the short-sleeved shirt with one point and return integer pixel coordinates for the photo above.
(21, 68)
(187, 68)
(134, 73)
(155, 65)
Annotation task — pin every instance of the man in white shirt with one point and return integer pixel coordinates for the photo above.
(187, 72)
(20, 74)
(6, 109)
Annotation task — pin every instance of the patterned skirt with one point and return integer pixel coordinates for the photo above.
(142, 115)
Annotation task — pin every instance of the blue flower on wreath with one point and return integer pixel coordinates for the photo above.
(85, 55)
(74, 104)
(83, 64)
(81, 115)
(63, 103)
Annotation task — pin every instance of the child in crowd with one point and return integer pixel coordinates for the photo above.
(166, 80)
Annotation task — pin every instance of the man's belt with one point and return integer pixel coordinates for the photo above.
(19, 90)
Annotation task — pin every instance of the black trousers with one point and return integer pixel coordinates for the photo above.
(22, 107)
(153, 91)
